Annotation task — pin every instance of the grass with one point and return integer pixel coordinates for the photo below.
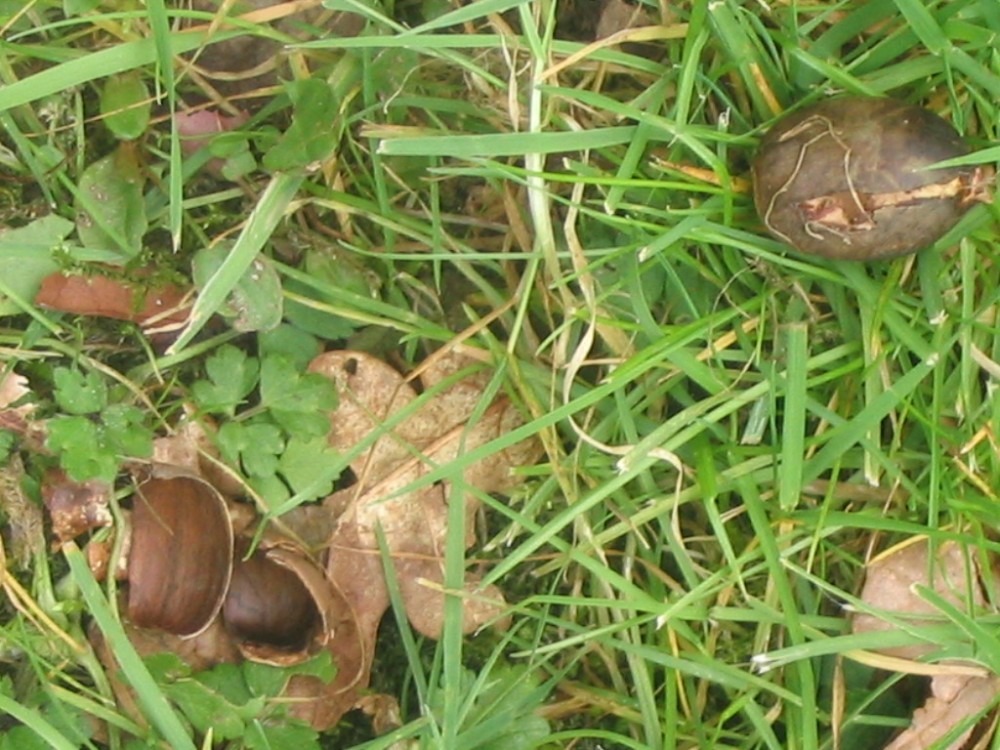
(730, 429)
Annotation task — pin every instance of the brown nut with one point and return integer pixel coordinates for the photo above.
(181, 556)
(845, 178)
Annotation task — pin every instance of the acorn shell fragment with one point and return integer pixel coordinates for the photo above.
(181, 554)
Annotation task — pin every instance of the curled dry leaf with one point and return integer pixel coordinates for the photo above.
(890, 584)
(403, 442)
(14, 388)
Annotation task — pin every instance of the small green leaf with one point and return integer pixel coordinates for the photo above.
(255, 446)
(228, 681)
(125, 105)
(7, 442)
(78, 392)
(285, 389)
(265, 680)
(291, 736)
(310, 138)
(290, 342)
(78, 7)
(22, 738)
(232, 375)
(270, 487)
(125, 430)
(269, 681)
(26, 257)
(238, 165)
(82, 449)
(166, 666)
(255, 303)
(111, 212)
(306, 460)
(205, 709)
(330, 272)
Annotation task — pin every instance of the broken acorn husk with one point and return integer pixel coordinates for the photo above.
(279, 605)
(181, 553)
(187, 568)
(846, 178)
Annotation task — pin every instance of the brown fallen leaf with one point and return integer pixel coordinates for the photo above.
(405, 440)
(953, 700)
(158, 308)
(890, 579)
(955, 573)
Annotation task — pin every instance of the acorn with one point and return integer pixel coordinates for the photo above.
(847, 178)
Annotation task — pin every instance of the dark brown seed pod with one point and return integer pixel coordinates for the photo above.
(845, 178)
(181, 554)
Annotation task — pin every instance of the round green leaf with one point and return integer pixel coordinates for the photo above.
(125, 105)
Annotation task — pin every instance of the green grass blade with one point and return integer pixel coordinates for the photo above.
(94, 65)
(150, 698)
(263, 220)
(793, 427)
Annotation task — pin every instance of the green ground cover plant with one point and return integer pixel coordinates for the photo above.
(727, 430)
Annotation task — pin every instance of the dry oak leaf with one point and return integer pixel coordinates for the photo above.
(963, 697)
(890, 584)
(403, 438)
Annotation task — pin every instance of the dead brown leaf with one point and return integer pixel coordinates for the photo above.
(157, 308)
(405, 440)
(890, 579)
(948, 706)
(955, 572)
